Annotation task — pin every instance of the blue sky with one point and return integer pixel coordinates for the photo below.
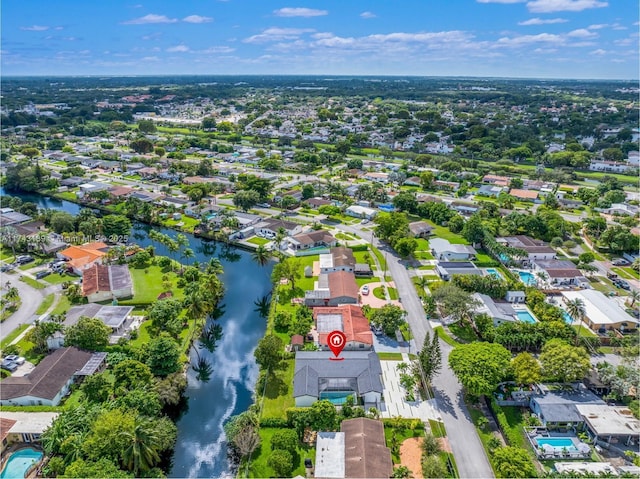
(503, 38)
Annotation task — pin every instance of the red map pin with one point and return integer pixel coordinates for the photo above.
(337, 341)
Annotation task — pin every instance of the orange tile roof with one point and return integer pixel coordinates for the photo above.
(5, 427)
(528, 194)
(355, 325)
(343, 283)
(85, 254)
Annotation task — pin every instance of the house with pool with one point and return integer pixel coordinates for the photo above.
(503, 311)
(602, 313)
(444, 251)
(317, 377)
(535, 249)
(560, 272)
(23, 427)
(558, 409)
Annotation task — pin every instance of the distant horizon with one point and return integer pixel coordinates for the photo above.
(320, 75)
(524, 39)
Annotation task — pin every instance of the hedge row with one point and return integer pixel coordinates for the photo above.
(513, 437)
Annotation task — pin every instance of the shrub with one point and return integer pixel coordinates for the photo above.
(274, 422)
(285, 440)
(281, 462)
(430, 445)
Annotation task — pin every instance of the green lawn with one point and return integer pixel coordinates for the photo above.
(259, 466)
(406, 332)
(62, 306)
(143, 335)
(400, 436)
(363, 281)
(463, 332)
(390, 356)
(46, 303)
(363, 257)
(33, 264)
(278, 394)
(393, 293)
(379, 292)
(583, 331)
(444, 233)
(13, 335)
(147, 285)
(626, 273)
(437, 428)
(56, 278)
(185, 223)
(484, 433)
(257, 240)
(26, 350)
(442, 334)
(32, 282)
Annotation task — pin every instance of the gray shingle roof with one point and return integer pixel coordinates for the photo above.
(315, 371)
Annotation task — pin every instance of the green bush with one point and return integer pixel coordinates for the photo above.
(359, 247)
(513, 438)
(274, 422)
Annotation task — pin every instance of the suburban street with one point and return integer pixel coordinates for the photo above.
(470, 455)
(31, 299)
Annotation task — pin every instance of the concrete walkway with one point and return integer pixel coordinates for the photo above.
(394, 396)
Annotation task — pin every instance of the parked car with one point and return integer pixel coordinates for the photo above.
(24, 259)
(9, 365)
(20, 361)
(6, 267)
(620, 262)
(624, 284)
(365, 289)
(42, 274)
(11, 357)
(611, 275)
(364, 221)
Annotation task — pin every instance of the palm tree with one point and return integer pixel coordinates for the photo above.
(261, 255)
(12, 294)
(203, 369)
(187, 254)
(262, 305)
(634, 296)
(422, 282)
(142, 452)
(214, 266)
(576, 309)
(210, 336)
(542, 276)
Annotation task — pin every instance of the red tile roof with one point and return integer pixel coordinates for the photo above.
(94, 279)
(5, 426)
(343, 283)
(526, 194)
(355, 325)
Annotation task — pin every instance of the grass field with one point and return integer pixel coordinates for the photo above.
(400, 436)
(147, 285)
(13, 335)
(56, 278)
(442, 334)
(278, 394)
(32, 282)
(46, 303)
(444, 233)
(62, 306)
(259, 466)
(390, 356)
(257, 240)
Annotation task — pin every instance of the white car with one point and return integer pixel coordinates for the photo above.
(365, 289)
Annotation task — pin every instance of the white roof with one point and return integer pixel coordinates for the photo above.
(582, 467)
(361, 209)
(608, 420)
(600, 309)
(441, 245)
(326, 260)
(29, 422)
(330, 455)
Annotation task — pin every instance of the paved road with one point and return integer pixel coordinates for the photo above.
(31, 299)
(470, 456)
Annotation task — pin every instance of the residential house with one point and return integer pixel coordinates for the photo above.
(558, 409)
(496, 180)
(524, 195)
(347, 318)
(72, 181)
(318, 202)
(333, 289)
(602, 313)
(358, 211)
(447, 269)
(49, 381)
(611, 425)
(312, 239)
(120, 191)
(609, 166)
(358, 450)
(22, 427)
(559, 272)
(84, 256)
(420, 229)
(339, 259)
(621, 209)
(117, 318)
(490, 190)
(515, 297)
(145, 196)
(413, 181)
(317, 377)
(363, 270)
(498, 312)
(535, 249)
(444, 251)
(92, 187)
(102, 283)
(465, 209)
(271, 226)
(10, 217)
(446, 185)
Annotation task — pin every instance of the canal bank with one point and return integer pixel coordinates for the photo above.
(201, 450)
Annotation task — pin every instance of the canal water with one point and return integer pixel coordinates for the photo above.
(201, 449)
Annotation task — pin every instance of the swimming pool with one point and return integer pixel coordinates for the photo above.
(336, 397)
(525, 316)
(19, 463)
(558, 443)
(567, 317)
(494, 272)
(527, 278)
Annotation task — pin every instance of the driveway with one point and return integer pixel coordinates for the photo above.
(394, 401)
(371, 300)
(470, 455)
(384, 344)
(31, 299)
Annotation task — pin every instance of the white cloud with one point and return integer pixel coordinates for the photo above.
(548, 6)
(35, 28)
(197, 19)
(528, 39)
(275, 34)
(150, 59)
(582, 33)
(178, 49)
(150, 18)
(368, 15)
(598, 26)
(216, 50)
(598, 52)
(541, 21)
(299, 12)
